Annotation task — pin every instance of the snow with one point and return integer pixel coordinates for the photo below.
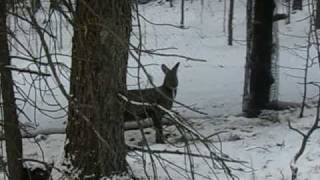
(267, 147)
(214, 87)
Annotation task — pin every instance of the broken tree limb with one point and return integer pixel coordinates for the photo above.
(132, 125)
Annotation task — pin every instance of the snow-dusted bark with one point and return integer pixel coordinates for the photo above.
(95, 131)
(297, 4)
(258, 64)
(246, 90)
(10, 117)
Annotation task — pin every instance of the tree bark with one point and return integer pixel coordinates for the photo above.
(11, 123)
(247, 71)
(230, 28)
(260, 58)
(182, 14)
(297, 4)
(288, 4)
(317, 19)
(95, 132)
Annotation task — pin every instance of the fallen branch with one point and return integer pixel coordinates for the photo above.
(177, 152)
(132, 125)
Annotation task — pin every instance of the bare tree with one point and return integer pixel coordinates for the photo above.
(313, 41)
(95, 130)
(257, 91)
(11, 123)
(182, 14)
(305, 138)
(297, 4)
(317, 18)
(247, 73)
(288, 7)
(230, 20)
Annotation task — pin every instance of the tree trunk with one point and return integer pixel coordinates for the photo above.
(317, 19)
(259, 61)
(11, 123)
(95, 134)
(182, 14)
(274, 89)
(230, 30)
(247, 71)
(297, 4)
(171, 3)
(288, 4)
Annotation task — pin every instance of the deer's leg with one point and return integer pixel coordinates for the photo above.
(156, 118)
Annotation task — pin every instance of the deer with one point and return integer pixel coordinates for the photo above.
(151, 97)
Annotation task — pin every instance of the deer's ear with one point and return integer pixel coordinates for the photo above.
(164, 68)
(176, 66)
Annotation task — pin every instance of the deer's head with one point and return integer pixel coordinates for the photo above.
(170, 79)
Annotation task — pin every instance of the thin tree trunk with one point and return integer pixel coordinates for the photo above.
(95, 132)
(288, 11)
(11, 123)
(230, 29)
(182, 14)
(306, 73)
(247, 74)
(224, 16)
(317, 19)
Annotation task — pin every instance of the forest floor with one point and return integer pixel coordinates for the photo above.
(267, 145)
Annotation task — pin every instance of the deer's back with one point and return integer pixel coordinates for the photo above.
(151, 97)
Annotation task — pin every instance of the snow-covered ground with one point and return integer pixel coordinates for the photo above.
(267, 147)
(215, 87)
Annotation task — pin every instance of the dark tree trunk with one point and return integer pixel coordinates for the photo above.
(182, 14)
(288, 3)
(99, 62)
(259, 61)
(11, 123)
(317, 19)
(230, 30)
(247, 73)
(297, 4)
(35, 6)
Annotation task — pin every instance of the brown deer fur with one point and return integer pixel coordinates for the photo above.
(162, 95)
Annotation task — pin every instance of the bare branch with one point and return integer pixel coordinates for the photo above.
(27, 71)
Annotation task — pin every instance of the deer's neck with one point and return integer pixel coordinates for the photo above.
(170, 92)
